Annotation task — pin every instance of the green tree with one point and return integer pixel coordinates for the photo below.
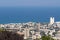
(47, 37)
(1, 29)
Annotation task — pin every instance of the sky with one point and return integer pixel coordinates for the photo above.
(15, 3)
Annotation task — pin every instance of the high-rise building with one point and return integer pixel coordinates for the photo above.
(26, 33)
(51, 20)
(38, 26)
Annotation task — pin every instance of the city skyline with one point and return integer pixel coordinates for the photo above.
(34, 19)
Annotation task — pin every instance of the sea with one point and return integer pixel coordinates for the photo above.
(28, 14)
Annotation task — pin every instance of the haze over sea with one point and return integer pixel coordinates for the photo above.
(26, 14)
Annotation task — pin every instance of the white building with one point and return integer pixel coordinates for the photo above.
(26, 33)
(57, 36)
(1, 25)
(57, 24)
(51, 20)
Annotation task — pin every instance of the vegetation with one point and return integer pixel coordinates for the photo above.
(37, 39)
(1, 29)
(6, 35)
(47, 37)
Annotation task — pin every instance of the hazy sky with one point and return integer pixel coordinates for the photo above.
(30, 3)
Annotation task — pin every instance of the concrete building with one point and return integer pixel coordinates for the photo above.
(51, 20)
(26, 33)
(38, 26)
(57, 36)
(1, 25)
